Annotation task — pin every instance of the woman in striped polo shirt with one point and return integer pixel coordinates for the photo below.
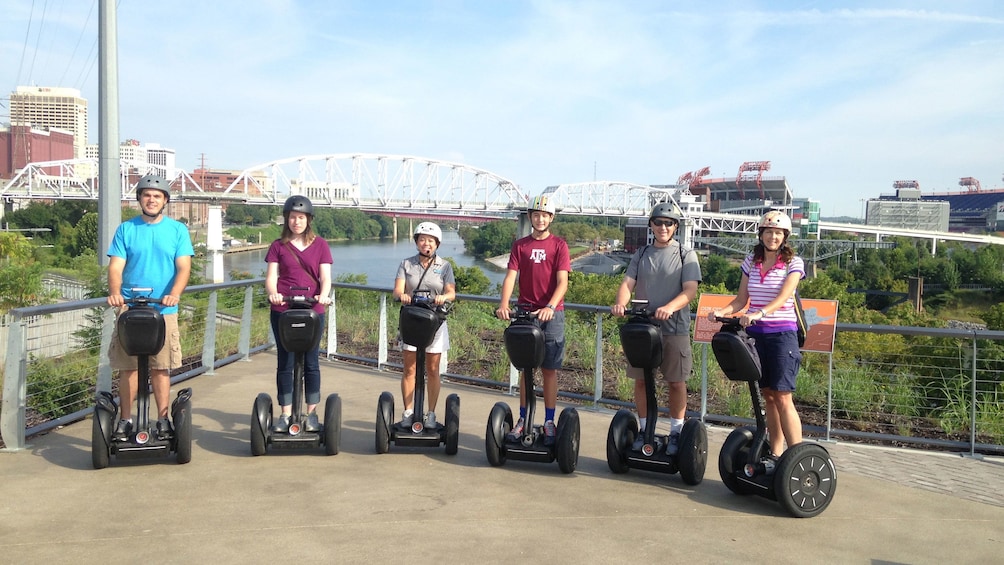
(770, 276)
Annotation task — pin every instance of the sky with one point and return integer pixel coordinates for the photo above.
(843, 98)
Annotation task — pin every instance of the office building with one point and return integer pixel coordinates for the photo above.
(45, 107)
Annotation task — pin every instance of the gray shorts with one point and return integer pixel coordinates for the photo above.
(168, 358)
(677, 360)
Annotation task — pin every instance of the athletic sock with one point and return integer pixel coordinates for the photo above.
(548, 414)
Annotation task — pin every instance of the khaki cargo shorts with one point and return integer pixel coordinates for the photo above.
(168, 358)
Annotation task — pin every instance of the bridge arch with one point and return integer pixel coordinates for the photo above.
(378, 181)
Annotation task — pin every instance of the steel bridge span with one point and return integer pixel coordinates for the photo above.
(398, 184)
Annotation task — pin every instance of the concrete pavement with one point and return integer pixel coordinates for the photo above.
(421, 506)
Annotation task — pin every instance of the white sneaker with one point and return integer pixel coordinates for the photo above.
(406, 418)
(430, 420)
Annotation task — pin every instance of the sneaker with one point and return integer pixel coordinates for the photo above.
(312, 425)
(769, 463)
(516, 433)
(406, 419)
(281, 424)
(164, 429)
(430, 420)
(673, 447)
(639, 441)
(123, 430)
(550, 432)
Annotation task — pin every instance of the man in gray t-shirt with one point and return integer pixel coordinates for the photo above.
(666, 275)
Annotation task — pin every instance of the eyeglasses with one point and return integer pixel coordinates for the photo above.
(663, 223)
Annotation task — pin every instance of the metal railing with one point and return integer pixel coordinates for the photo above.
(56, 356)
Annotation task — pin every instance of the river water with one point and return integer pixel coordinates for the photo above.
(377, 259)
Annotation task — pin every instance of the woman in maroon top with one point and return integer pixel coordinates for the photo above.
(297, 260)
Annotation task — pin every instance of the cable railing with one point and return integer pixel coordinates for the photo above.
(931, 387)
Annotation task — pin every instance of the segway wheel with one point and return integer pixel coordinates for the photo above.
(332, 424)
(692, 458)
(499, 424)
(452, 424)
(619, 437)
(567, 441)
(805, 480)
(101, 438)
(734, 454)
(182, 418)
(261, 423)
(384, 420)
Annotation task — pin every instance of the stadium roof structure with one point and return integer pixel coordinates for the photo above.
(727, 189)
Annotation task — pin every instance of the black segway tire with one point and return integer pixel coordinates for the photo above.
(621, 433)
(332, 424)
(567, 440)
(181, 416)
(499, 424)
(101, 437)
(384, 420)
(805, 480)
(692, 457)
(261, 423)
(452, 424)
(733, 457)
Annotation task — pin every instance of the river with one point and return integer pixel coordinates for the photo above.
(377, 259)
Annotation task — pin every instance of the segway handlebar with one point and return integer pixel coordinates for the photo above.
(142, 300)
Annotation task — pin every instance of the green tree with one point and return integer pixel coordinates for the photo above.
(20, 274)
(470, 280)
(490, 240)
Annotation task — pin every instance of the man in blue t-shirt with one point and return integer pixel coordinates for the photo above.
(150, 251)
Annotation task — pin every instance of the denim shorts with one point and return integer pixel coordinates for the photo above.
(554, 340)
(780, 360)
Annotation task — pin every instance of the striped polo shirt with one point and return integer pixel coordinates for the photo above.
(763, 287)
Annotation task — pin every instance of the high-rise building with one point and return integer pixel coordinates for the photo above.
(51, 107)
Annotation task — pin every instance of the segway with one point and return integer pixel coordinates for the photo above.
(141, 333)
(299, 332)
(642, 343)
(524, 342)
(418, 322)
(803, 479)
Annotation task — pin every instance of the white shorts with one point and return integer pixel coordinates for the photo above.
(439, 344)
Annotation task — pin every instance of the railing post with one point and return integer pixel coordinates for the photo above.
(598, 367)
(15, 388)
(209, 341)
(104, 363)
(382, 351)
(972, 422)
(829, 401)
(704, 381)
(244, 343)
(332, 347)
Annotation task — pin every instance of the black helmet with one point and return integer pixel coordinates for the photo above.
(666, 210)
(298, 203)
(154, 181)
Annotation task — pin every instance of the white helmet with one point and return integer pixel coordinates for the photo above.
(776, 219)
(542, 203)
(429, 228)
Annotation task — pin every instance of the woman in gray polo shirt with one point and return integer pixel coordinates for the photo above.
(424, 271)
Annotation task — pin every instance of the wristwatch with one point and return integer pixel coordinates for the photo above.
(551, 306)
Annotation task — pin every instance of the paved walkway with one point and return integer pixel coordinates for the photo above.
(421, 506)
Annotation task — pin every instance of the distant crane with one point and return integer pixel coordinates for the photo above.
(971, 184)
(757, 167)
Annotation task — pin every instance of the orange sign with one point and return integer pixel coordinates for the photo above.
(820, 316)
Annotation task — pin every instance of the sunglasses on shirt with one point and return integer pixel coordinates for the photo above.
(663, 223)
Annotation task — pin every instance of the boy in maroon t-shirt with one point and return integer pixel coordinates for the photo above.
(542, 264)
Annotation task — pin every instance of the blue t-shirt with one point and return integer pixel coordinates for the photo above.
(149, 251)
